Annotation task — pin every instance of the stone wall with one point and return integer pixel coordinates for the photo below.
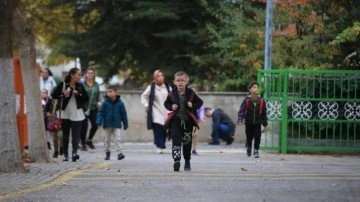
(137, 132)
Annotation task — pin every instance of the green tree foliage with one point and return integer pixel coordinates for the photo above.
(220, 43)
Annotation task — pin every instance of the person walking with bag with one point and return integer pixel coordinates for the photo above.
(93, 90)
(153, 99)
(52, 110)
(72, 114)
(183, 104)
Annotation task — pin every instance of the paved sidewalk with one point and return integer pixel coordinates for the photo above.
(316, 177)
(44, 172)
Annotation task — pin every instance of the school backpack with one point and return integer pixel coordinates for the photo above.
(247, 102)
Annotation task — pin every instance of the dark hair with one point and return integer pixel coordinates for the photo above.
(49, 71)
(251, 84)
(112, 87)
(71, 72)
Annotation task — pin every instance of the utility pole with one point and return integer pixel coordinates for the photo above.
(268, 35)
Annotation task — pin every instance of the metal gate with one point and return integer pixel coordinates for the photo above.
(311, 110)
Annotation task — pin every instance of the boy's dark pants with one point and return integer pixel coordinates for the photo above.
(181, 133)
(253, 132)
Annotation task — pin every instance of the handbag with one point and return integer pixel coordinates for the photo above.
(54, 120)
(54, 123)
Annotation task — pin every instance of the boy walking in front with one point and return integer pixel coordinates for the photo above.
(183, 104)
(253, 113)
(112, 116)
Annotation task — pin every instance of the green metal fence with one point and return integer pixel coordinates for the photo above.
(311, 110)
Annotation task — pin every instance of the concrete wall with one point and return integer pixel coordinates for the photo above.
(137, 132)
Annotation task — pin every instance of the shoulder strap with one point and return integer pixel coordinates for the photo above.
(261, 105)
(247, 102)
(167, 87)
(54, 104)
(192, 96)
(61, 101)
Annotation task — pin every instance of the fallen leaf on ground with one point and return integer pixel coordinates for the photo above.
(243, 169)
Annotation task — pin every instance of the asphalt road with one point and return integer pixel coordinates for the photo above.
(219, 173)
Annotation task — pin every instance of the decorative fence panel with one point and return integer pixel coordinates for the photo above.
(311, 110)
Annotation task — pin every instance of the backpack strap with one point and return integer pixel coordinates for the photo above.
(247, 102)
(261, 105)
(167, 87)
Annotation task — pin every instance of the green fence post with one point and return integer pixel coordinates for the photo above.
(284, 122)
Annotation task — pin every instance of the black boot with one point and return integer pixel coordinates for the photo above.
(121, 156)
(66, 157)
(49, 145)
(75, 156)
(107, 156)
(187, 166)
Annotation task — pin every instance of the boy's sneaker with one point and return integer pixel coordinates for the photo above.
(256, 153)
(159, 151)
(187, 166)
(177, 166)
(121, 156)
(248, 151)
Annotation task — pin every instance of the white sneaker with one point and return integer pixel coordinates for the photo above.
(159, 151)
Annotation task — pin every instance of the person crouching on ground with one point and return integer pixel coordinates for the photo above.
(112, 116)
(253, 113)
(222, 126)
(183, 104)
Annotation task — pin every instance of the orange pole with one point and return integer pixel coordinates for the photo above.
(20, 104)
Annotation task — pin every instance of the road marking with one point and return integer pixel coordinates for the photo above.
(214, 176)
(62, 179)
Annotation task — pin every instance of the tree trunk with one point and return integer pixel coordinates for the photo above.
(10, 157)
(37, 135)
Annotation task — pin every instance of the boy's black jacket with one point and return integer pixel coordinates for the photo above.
(251, 114)
(174, 98)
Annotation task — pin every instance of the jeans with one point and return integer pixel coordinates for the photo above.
(223, 133)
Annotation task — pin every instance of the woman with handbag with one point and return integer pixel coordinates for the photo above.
(73, 97)
(93, 90)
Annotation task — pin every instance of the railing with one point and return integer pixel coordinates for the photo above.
(311, 110)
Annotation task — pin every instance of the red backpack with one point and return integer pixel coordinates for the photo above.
(261, 105)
